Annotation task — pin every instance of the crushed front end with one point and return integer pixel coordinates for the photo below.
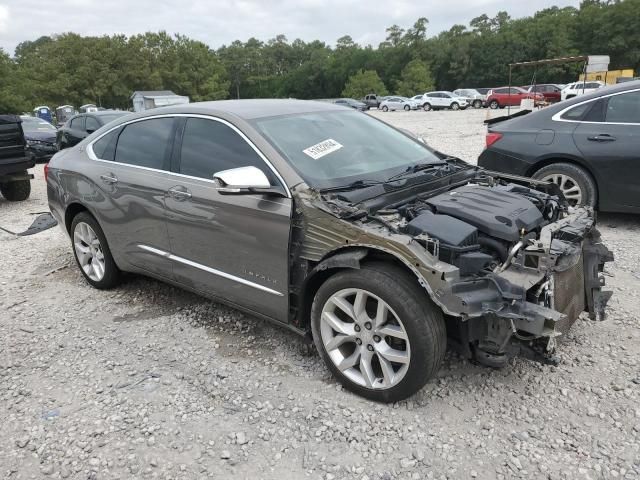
(510, 264)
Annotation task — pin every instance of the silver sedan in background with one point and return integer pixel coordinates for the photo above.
(399, 103)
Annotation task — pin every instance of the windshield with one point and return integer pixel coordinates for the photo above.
(330, 149)
(32, 124)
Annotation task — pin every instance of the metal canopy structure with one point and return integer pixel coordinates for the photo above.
(549, 61)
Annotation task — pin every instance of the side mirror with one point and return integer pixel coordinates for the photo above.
(245, 180)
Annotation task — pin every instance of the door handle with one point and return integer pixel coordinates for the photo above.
(109, 178)
(179, 193)
(603, 137)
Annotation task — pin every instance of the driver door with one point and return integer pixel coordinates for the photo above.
(234, 247)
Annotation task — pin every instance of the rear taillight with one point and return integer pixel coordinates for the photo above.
(46, 171)
(492, 137)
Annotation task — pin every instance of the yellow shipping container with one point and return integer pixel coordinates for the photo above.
(608, 77)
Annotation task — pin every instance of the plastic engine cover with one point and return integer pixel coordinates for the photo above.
(495, 212)
(447, 229)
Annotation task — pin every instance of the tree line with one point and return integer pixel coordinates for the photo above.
(71, 69)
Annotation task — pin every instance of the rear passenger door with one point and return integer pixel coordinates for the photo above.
(230, 246)
(132, 171)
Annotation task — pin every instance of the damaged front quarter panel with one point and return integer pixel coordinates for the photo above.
(534, 295)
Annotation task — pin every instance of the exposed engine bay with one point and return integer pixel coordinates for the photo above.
(509, 262)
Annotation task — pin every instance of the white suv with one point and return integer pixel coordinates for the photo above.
(442, 99)
(579, 88)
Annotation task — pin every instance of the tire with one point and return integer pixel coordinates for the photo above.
(385, 108)
(477, 104)
(494, 105)
(568, 176)
(454, 106)
(407, 108)
(408, 306)
(426, 107)
(111, 274)
(16, 191)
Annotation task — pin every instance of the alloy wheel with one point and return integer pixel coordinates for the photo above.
(365, 339)
(569, 187)
(89, 251)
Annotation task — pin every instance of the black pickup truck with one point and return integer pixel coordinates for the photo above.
(15, 181)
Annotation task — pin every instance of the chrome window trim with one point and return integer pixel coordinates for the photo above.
(92, 155)
(185, 261)
(556, 117)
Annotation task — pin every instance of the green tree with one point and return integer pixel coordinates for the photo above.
(362, 83)
(416, 78)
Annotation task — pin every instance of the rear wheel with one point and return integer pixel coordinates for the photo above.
(426, 107)
(455, 106)
(92, 252)
(385, 108)
(576, 184)
(493, 104)
(477, 104)
(16, 190)
(378, 331)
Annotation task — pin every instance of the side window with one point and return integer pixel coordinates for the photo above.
(576, 113)
(77, 123)
(105, 148)
(91, 125)
(209, 146)
(145, 143)
(514, 91)
(624, 108)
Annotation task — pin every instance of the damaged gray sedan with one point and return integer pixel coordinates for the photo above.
(338, 226)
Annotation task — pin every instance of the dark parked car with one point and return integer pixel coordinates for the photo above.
(15, 180)
(350, 102)
(79, 126)
(510, 97)
(588, 145)
(41, 138)
(335, 225)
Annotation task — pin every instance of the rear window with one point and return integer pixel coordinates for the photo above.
(145, 143)
(577, 112)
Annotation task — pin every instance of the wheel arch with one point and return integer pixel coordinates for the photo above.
(345, 258)
(72, 210)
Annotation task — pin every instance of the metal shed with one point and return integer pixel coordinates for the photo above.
(146, 100)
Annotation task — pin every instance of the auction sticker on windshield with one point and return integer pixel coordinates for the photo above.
(323, 148)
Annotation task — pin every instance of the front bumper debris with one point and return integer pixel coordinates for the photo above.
(543, 290)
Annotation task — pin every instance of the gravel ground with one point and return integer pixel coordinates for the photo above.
(147, 381)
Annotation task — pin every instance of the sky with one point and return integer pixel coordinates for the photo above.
(219, 22)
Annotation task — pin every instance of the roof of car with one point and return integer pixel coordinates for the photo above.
(251, 109)
(100, 113)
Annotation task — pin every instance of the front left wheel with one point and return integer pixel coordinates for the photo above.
(92, 252)
(378, 331)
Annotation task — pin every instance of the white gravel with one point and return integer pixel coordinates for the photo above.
(147, 381)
